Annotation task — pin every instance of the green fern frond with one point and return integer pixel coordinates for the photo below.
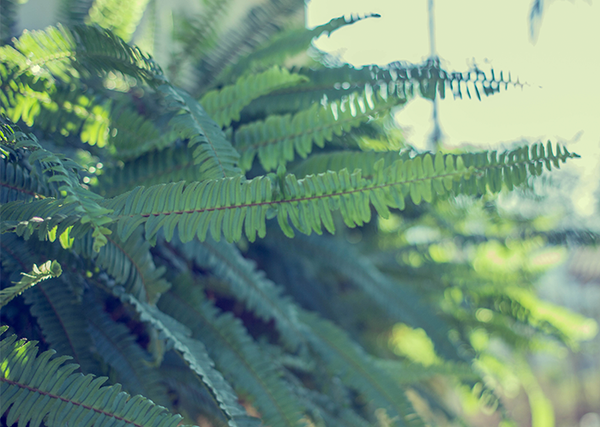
(287, 44)
(38, 388)
(214, 153)
(16, 183)
(224, 105)
(120, 17)
(68, 53)
(230, 204)
(116, 345)
(347, 159)
(276, 138)
(195, 354)
(242, 362)
(250, 286)
(45, 271)
(358, 370)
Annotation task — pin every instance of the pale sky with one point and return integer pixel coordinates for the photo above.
(562, 69)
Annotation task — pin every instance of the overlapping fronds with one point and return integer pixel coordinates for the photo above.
(286, 44)
(120, 17)
(36, 275)
(214, 153)
(251, 372)
(276, 139)
(358, 370)
(224, 105)
(68, 53)
(41, 388)
(195, 354)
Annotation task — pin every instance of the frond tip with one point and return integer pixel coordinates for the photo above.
(45, 271)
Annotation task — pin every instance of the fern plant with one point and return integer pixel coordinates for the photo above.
(172, 265)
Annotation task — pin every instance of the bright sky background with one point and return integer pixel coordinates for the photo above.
(562, 69)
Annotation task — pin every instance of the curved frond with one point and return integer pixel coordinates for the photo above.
(120, 17)
(195, 354)
(224, 105)
(358, 370)
(214, 153)
(242, 362)
(41, 388)
(277, 138)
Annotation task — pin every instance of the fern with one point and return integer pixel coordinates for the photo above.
(45, 271)
(41, 388)
(119, 17)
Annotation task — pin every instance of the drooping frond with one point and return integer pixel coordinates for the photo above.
(287, 44)
(36, 275)
(214, 153)
(39, 388)
(224, 105)
(250, 286)
(358, 370)
(277, 138)
(120, 17)
(195, 354)
(68, 53)
(116, 345)
(251, 371)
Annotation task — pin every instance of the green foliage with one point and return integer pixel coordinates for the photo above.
(184, 278)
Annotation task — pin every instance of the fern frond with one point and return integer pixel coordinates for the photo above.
(38, 388)
(401, 79)
(68, 53)
(120, 17)
(36, 275)
(287, 44)
(115, 344)
(249, 285)
(251, 372)
(195, 354)
(16, 183)
(411, 373)
(215, 155)
(276, 138)
(347, 159)
(231, 204)
(224, 105)
(358, 370)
